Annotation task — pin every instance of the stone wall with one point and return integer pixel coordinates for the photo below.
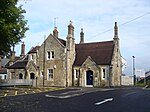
(127, 80)
(58, 64)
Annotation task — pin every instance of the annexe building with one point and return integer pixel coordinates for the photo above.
(59, 62)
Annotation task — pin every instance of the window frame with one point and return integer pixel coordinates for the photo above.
(50, 75)
(50, 55)
(103, 73)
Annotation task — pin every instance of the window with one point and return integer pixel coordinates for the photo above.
(76, 74)
(32, 76)
(103, 73)
(32, 56)
(50, 74)
(50, 55)
(5, 77)
(20, 76)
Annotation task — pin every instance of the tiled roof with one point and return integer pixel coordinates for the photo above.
(16, 59)
(18, 65)
(100, 52)
(4, 61)
(34, 49)
(3, 71)
(62, 41)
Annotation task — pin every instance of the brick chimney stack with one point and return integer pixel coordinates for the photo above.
(71, 29)
(22, 50)
(81, 36)
(55, 32)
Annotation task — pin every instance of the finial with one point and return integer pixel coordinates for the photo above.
(55, 28)
(81, 36)
(71, 22)
(115, 23)
(55, 21)
(116, 29)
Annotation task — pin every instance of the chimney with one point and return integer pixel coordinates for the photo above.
(22, 50)
(55, 32)
(71, 29)
(12, 56)
(81, 36)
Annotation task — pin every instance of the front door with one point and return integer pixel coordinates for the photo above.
(32, 76)
(89, 77)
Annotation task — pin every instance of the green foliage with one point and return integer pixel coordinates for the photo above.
(12, 25)
(141, 84)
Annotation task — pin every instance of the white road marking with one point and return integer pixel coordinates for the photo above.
(131, 93)
(16, 92)
(5, 94)
(63, 97)
(104, 101)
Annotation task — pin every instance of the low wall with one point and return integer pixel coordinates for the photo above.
(127, 80)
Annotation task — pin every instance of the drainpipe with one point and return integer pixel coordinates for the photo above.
(66, 68)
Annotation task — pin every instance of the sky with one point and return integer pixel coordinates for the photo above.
(97, 18)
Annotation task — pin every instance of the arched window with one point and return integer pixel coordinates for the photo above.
(32, 76)
(20, 76)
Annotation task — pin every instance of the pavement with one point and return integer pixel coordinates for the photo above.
(14, 91)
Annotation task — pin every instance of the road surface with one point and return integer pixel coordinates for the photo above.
(80, 100)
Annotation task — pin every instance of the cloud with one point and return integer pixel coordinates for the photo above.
(97, 18)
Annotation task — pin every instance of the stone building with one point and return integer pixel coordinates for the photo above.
(59, 62)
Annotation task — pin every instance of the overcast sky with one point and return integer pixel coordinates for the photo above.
(97, 18)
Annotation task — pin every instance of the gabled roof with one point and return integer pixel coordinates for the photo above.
(16, 59)
(34, 49)
(100, 52)
(18, 65)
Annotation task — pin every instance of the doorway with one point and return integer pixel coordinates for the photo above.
(89, 78)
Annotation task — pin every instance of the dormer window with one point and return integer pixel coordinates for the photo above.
(50, 55)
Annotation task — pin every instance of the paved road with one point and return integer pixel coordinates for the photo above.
(80, 100)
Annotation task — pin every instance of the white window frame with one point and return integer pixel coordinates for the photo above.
(103, 73)
(32, 56)
(50, 75)
(76, 74)
(50, 55)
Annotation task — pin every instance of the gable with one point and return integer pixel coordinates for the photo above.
(54, 41)
(100, 52)
(31, 66)
(54, 44)
(89, 62)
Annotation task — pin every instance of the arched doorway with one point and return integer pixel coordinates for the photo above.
(20, 76)
(89, 78)
(32, 76)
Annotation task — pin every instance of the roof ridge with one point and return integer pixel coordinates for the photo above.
(95, 42)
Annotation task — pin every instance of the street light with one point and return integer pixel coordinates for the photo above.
(134, 70)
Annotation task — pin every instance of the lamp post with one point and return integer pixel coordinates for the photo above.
(134, 70)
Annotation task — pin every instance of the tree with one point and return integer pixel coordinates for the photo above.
(12, 25)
